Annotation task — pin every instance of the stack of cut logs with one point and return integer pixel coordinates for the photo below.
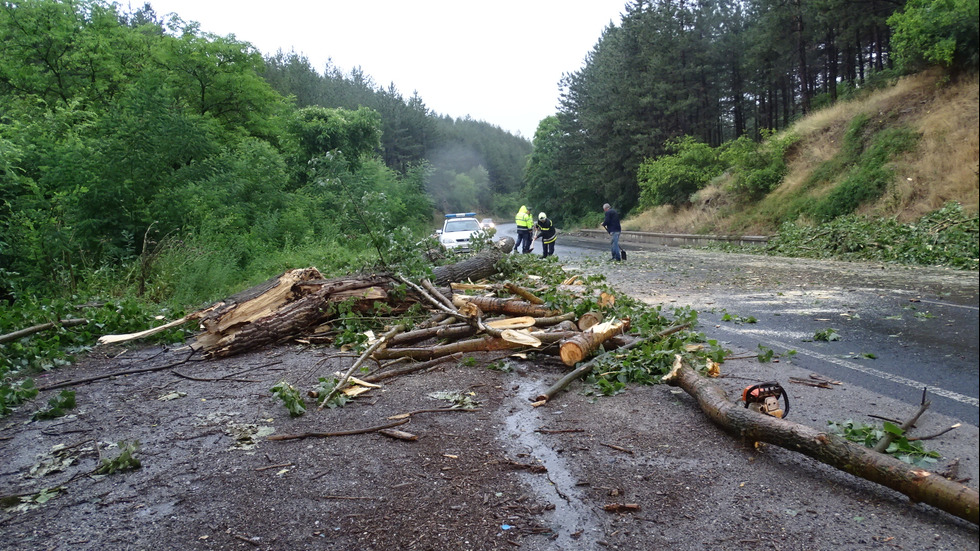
(302, 305)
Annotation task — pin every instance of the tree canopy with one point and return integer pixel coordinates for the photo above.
(713, 71)
(124, 137)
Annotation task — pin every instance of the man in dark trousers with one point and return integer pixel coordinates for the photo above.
(545, 229)
(611, 223)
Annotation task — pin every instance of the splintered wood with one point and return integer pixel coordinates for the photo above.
(300, 305)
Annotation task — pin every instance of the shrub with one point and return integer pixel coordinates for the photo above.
(757, 168)
(945, 237)
(672, 179)
(937, 32)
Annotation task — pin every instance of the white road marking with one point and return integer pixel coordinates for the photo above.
(963, 399)
(949, 304)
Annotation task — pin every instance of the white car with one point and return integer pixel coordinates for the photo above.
(458, 229)
(487, 223)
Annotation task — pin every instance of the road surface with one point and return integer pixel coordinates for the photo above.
(893, 330)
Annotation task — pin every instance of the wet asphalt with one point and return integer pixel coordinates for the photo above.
(901, 330)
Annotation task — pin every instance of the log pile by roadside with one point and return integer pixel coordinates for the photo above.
(299, 305)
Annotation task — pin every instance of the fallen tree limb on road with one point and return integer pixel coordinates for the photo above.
(587, 367)
(338, 433)
(916, 483)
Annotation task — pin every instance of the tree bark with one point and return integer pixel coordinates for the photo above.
(42, 327)
(579, 346)
(523, 293)
(451, 332)
(482, 344)
(916, 483)
(238, 330)
(493, 305)
(474, 268)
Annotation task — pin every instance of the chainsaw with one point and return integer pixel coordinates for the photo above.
(764, 398)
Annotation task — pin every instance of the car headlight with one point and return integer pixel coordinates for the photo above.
(447, 240)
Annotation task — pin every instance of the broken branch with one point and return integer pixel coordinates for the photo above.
(42, 327)
(338, 433)
(916, 483)
(581, 370)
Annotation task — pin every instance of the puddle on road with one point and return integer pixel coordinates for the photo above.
(571, 514)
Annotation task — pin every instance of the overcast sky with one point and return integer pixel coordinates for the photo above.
(498, 61)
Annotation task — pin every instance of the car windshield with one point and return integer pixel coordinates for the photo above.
(461, 225)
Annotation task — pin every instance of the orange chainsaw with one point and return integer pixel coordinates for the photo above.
(764, 398)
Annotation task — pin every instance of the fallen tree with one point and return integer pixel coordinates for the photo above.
(918, 484)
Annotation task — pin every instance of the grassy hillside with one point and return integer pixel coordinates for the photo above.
(926, 133)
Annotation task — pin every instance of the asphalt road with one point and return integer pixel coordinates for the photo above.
(901, 329)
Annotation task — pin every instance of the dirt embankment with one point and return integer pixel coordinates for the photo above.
(507, 476)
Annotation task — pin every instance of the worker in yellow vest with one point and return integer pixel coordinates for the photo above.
(524, 225)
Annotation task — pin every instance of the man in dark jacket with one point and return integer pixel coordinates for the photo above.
(545, 229)
(611, 223)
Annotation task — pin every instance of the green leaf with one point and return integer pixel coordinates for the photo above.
(892, 428)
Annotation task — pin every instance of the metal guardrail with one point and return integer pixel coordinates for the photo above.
(674, 239)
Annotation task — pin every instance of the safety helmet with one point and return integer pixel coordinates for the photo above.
(542, 216)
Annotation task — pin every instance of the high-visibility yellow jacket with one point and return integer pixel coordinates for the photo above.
(523, 219)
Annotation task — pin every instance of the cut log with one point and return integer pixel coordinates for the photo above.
(479, 266)
(587, 367)
(589, 320)
(582, 345)
(918, 484)
(493, 305)
(522, 322)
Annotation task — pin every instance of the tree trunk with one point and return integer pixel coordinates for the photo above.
(291, 305)
(916, 483)
(476, 267)
(239, 330)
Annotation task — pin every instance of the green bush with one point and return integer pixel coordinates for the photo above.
(937, 32)
(946, 237)
(757, 168)
(672, 179)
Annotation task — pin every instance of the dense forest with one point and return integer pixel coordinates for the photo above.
(473, 164)
(678, 73)
(133, 144)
